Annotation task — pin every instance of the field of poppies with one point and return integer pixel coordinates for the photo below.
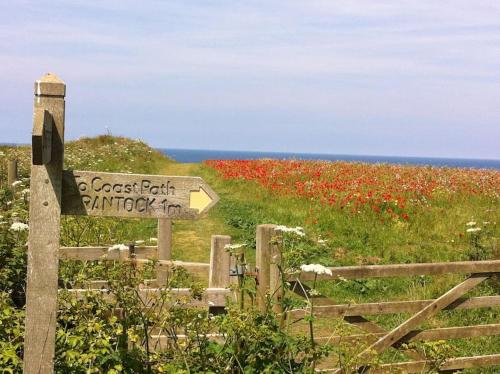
(371, 213)
(392, 191)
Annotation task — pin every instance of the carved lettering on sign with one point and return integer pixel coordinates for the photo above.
(133, 195)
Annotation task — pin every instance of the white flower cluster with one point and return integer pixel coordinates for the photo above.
(118, 247)
(299, 231)
(315, 268)
(472, 227)
(233, 246)
(19, 226)
(16, 183)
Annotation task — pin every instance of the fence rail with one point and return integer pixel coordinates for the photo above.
(407, 270)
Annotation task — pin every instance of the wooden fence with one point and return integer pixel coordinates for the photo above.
(268, 284)
(380, 340)
(216, 272)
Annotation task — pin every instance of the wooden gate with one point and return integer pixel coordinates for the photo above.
(380, 340)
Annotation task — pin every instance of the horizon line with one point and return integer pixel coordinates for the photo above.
(291, 153)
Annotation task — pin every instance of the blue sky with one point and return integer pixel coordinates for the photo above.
(417, 78)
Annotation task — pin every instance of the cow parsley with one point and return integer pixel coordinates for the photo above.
(233, 246)
(315, 268)
(474, 229)
(299, 231)
(118, 247)
(19, 226)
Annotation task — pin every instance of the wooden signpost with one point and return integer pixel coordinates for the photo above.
(44, 233)
(55, 191)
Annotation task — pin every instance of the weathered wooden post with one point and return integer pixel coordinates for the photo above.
(164, 248)
(11, 172)
(220, 263)
(44, 233)
(275, 282)
(263, 263)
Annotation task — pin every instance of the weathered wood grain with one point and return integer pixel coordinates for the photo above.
(444, 333)
(275, 281)
(456, 363)
(390, 307)
(430, 310)
(198, 269)
(407, 270)
(220, 262)
(263, 262)
(103, 253)
(43, 247)
(210, 296)
(164, 247)
(135, 195)
(11, 172)
(41, 137)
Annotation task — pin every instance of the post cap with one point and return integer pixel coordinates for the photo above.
(50, 85)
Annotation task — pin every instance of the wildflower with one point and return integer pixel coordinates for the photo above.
(16, 183)
(315, 268)
(139, 242)
(19, 226)
(473, 229)
(211, 303)
(25, 191)
(471, 223)
(118, 247)
(299, 231)
(233, 246)
(314, 292)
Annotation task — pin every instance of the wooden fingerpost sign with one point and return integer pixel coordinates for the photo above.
(44, 232)
(55, 191)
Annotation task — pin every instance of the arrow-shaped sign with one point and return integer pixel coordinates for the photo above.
(134, 195)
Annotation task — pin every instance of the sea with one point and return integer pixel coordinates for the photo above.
(199, 155)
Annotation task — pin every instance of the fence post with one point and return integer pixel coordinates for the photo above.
(44, 233)
(11, 173)
(275, 284)
(164, 248)
(220, 262)
(263, 263)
